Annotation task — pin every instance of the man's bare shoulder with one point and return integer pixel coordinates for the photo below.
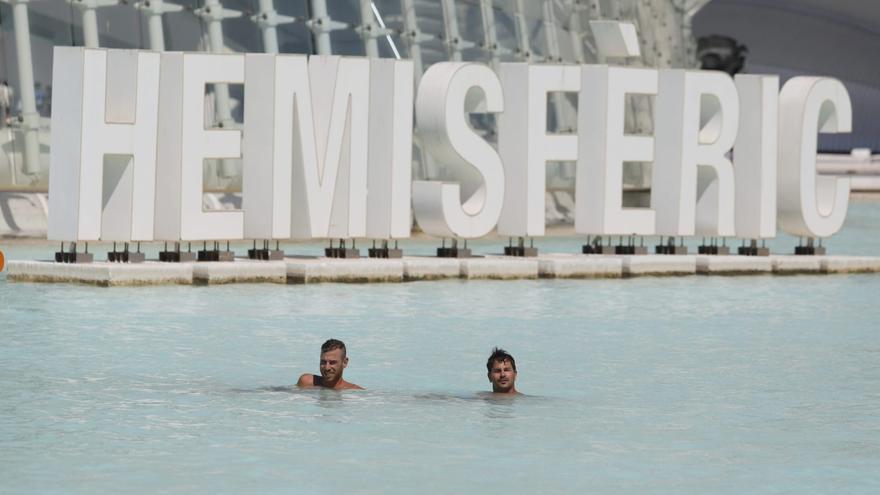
(352, 386)
(306, 380)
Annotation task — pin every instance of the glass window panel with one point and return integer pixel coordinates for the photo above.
(120, 26)
(183, 30)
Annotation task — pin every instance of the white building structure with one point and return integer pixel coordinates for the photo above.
(785, 37)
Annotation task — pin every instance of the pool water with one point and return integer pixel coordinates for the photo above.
(756, 384)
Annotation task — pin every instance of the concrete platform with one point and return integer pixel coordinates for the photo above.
(366, 270)
(850, 264)
(241, 271)
(306, 270)
(430, 268)
(579, 266)
(789, 264)
(101, 273)
(659, 265)
(733, 265)
(498, 268)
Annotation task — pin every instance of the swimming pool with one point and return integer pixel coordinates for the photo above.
(757, 384)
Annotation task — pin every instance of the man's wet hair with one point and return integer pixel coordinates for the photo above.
(501, 356)
(332, 344)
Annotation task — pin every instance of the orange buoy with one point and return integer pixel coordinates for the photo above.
(2, 261)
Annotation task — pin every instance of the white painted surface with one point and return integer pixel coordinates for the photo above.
(810, 205)
(198, 143)
(105, 116)
(184, 144)
(755, 156)
(306, 148)
(447, 135)
(330, 178)
(696, 119)
(524, 144)
(604, 147)
(389, 176)
(266, 178)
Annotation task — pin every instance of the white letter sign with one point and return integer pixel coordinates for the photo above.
(184, 144)
(524, 144)
(754, 156)
(695, 124)
(604, 149)
(810, 205)
(446, 91)
(103, 162)
(328, 142)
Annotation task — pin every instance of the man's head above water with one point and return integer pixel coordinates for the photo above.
(501, 370)
(332, 344)
(333, 362)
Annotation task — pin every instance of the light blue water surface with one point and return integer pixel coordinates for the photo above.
(756, 384)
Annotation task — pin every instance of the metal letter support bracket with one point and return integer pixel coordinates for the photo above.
(176, 256)
(521, 249)
(126, 256)
(671, 248)
(629, 248)
(753, 250)
(264, 253)
(72, 256)
(383, 251)
(453, 251)
(342, 251)
(809, 249)
(713, 248)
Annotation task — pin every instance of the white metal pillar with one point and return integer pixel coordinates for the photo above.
(575, 30)
(268, 20)
(89, 26)
(551, 33)
(594, 14)
(30, 119)
(368, 29)
(490, 34)
(384, 31)
(88, 10)
(414, 37)
(153, 10)
(554, 55)
(523, 49)
(322, 25)
(213, 14)
(452, 36)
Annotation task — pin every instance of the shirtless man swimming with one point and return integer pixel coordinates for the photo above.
(333, 362)
(501, 369)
